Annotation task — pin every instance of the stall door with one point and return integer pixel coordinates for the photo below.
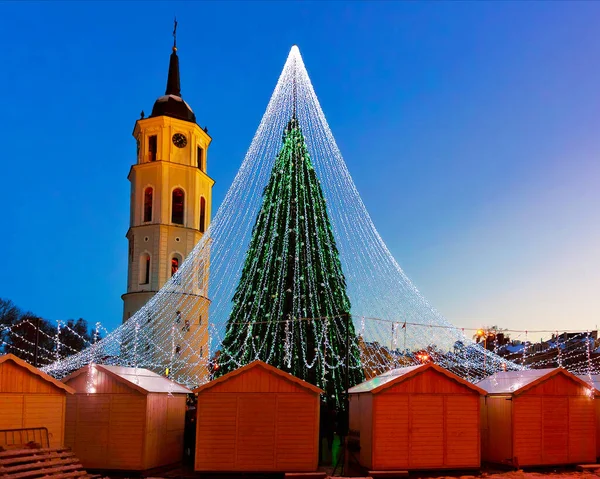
(582, 430)
(390, 432)
(216, 433)
(462, 431)
(255, 449)
(527, 430)
(426, 431)
(555, 430)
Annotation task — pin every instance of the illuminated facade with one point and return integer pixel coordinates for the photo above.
(170, 210)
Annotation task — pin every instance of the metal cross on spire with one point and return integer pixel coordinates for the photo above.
(175, 34)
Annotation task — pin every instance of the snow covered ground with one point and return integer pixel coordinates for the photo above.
(551, 474)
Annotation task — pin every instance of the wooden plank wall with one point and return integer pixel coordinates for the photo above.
(582, 430)
(554, 424)
(15, 379)
(391, 444)
(165, 422)
(257, 421)
(297, 426)
(27, 400)
(559, 385)
(87, 429)
(463, 438)
(258, 380)
(216, 431)
(428, 421)
(101, 383)
(127, 431)
(361, 420)
(106, 431)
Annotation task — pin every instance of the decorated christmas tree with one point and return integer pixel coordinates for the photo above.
(290, 308)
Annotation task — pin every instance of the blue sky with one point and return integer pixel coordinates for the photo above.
(470, 129)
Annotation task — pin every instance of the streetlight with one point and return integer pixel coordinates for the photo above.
(482, 333)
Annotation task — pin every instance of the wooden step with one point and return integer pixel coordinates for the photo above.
(387, 474)
(54, 463)
(306, 475)
(35, 457)
(587, 467)
(28, 451)
(39, 464)
(46, 471)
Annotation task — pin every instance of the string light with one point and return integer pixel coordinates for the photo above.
(378, 290)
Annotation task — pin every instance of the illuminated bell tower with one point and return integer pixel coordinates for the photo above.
(171, 196)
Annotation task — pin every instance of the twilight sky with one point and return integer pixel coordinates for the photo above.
(471, 131)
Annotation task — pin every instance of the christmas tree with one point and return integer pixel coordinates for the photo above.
(290, 308)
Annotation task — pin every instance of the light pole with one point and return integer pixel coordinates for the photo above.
(483, 334)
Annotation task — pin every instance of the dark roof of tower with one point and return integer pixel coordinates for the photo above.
(171, 104)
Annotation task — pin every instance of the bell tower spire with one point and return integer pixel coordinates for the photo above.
(171, 104)
(173, 83)
(171, 197)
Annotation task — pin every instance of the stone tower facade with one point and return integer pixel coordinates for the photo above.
(171, 197)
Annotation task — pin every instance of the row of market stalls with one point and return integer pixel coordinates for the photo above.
(259, 418)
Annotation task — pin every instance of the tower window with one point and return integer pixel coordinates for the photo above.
(152, 147)
(202, 214)
(176, 261)
(145, 269)
(200, 156)
(177, 210)
(148, 205)
(174, 265)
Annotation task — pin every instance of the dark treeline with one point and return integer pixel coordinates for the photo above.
(18, 331)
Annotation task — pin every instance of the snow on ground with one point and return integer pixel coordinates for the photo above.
(551, 474)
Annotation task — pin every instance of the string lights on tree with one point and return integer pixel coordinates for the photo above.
(376, 293)
(292, 271)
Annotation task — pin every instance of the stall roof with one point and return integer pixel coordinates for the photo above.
(399, 375)
(591, 379)
(36, 371)
(516, 382)
(141, 379)
(263, 365)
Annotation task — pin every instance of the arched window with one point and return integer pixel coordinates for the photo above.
(148, 204)
(145, 269)
(174, 265)
(177, 206)
(202, 214)
(152, 147)
(176, 261)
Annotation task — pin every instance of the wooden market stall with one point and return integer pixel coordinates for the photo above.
(257, 418)
(32, 400)
(125, 418)
(594, 381)
(538, 417)
(416, 417)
